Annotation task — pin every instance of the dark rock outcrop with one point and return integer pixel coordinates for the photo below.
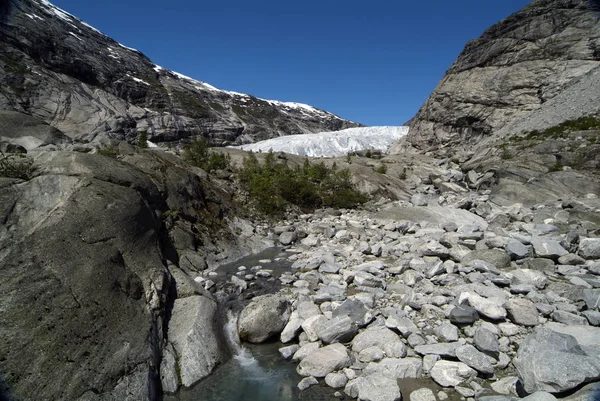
(90, 255)
(59, 69)
(513, 69)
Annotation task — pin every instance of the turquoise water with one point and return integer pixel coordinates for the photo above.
(257, 374)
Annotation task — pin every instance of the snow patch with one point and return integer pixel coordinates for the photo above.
(78, 38)
(34, 17)
(332, 144)
(141, 81)
(151, 144)
(157, 68)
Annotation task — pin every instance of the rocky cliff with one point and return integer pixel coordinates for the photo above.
(98, 256)
(63, 71)
(512, 70)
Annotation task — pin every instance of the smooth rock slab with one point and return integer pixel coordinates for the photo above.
(373, 388)
(323, 361)
(193, 332)
(554, 362)
(450, 374)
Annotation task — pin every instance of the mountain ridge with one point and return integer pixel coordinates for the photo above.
(514, 68)
(47, 54)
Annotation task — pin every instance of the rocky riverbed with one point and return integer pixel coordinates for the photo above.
(489, 302)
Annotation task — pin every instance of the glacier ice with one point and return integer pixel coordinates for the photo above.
(331, 144)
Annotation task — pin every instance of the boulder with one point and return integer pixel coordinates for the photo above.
(489, 307)
(589, 248)
(450, 374)
(396, 368)
(447, 332)
(447, 350)
(265, 317)
(522, 311)
(288, 237)
(470, 356)
(496, 257)
(423, 394)
(463, 315)
(194, 332)
(321, 362)
(554, 362)
(338, 329)
(381, 337)
(516, 250)
(548, 248)
(373, 388)
(486, 342)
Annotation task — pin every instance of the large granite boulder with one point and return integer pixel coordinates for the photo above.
(555, 362)
(265, 317)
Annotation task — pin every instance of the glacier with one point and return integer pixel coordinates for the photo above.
(331, 144)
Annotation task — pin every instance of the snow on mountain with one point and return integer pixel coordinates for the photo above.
(331, 144)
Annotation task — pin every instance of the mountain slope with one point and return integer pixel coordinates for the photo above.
(65, 72)
(514, 68)
(332, 144)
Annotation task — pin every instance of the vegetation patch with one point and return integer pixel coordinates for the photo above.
(563, 129)
(15, 165)
(274, 185)
(192, 104)
(198, 154)
(109, 150)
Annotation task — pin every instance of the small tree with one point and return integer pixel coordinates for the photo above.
(196, 153)
(143, 140)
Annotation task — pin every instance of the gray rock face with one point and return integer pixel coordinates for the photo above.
(571, 365)
(321, 362)
(505, 73)
(194, 333)
(263, 318)
(82, 250)
(131, 94)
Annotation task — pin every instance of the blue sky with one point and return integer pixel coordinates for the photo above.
(374, 62)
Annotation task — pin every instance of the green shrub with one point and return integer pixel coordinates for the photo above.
(109, 150)
(274, 185)
(382, 169)
(198, 154)
(15, 165)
